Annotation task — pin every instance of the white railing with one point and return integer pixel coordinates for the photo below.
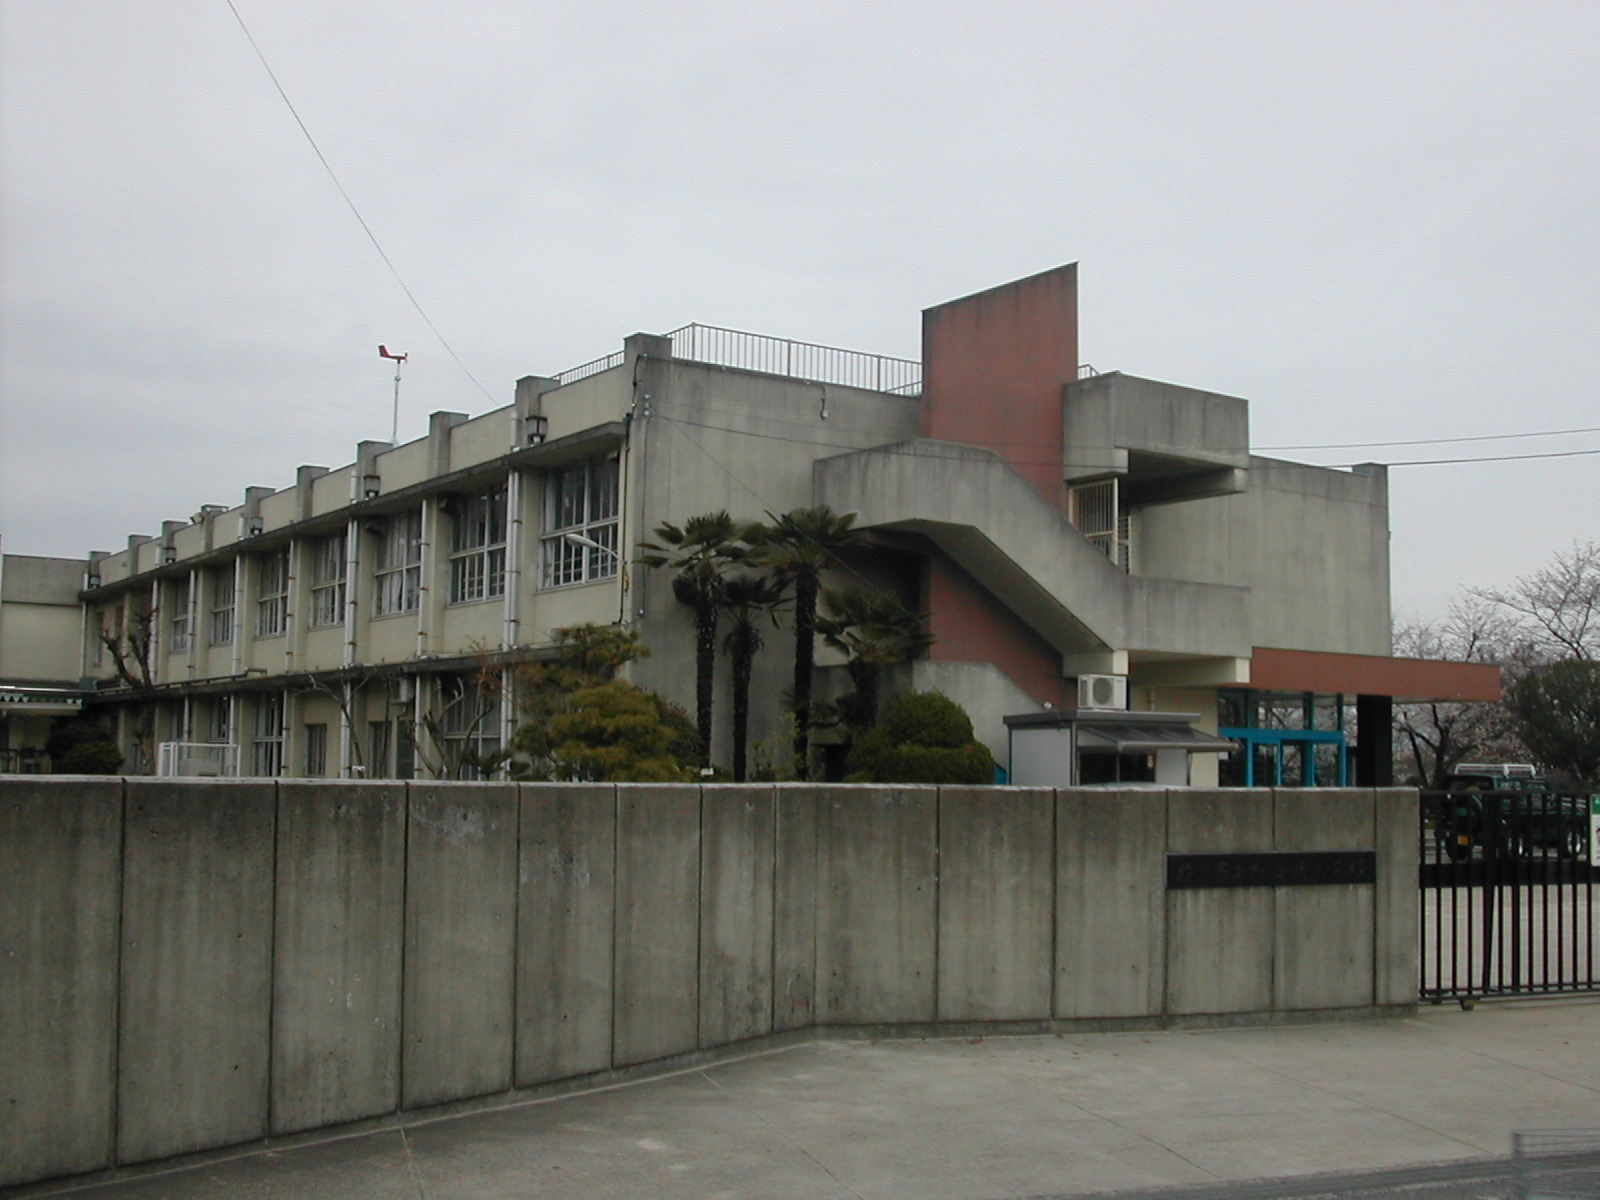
(594, 367)
(797, 360)
(210, 759)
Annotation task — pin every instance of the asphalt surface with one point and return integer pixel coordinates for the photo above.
(1418, 1108)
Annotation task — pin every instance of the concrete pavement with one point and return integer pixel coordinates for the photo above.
(1056, 1116)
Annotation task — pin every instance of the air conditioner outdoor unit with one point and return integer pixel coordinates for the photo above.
(1102, 691)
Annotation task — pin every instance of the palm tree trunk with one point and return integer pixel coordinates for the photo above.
(866, 677)
(744, 656)
(805, 651)
(705, 664)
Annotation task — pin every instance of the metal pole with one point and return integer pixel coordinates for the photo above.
(394, 427)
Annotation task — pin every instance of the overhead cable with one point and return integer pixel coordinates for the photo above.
(367, 229)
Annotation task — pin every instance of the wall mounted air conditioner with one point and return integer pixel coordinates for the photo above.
(405, 690)
(1103, 691)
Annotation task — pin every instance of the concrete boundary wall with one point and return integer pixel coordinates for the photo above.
(191, 965)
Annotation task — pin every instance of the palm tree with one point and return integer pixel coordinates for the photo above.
(746, 598)
(798, 547)
(700, 554)
(875, 630)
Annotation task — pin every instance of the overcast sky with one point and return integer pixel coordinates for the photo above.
(1375, 221)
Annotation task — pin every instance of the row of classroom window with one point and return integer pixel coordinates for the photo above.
(467, 730)
(579, 544)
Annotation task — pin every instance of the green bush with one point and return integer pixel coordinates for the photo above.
(924, 737)
(99, 757)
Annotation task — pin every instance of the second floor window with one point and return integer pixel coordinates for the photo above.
(327, 581)
(580, 524)
(222, 605)
(272, 594)
(478, 547)
(178, 624)
(397, 568)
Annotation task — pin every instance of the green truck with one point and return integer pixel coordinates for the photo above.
(1505, 810)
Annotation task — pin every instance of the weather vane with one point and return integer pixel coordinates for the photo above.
(394, 432)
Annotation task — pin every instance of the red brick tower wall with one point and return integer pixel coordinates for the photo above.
(993, 367)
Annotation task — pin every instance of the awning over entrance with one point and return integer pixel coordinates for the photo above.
(1404, 679)
(1120, 738)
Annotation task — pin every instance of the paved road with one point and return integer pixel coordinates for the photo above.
(1428, 1102)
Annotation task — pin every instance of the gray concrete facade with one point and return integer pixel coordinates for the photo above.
(196, 965)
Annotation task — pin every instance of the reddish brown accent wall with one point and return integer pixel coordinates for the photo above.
(1372, 675)
(993, 366)
(972, 626)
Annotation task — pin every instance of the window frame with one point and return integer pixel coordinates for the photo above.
(222, 627)
(179, 624)
(478, 532)
(397, 565)
(272, 607)
(328, 581)
(581, 501)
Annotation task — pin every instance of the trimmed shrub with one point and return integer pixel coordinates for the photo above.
(924, 737)
(100, 757)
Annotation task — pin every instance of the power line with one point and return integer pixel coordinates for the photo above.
(367, 229)
(909, 453)
(1488, 437)
(1435, 462)
(996, 443)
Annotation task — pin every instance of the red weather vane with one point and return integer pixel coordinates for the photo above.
(397, 359)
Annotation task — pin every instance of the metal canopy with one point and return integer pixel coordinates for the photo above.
(1130, 738)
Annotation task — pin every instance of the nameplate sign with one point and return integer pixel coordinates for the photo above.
(1293, 868)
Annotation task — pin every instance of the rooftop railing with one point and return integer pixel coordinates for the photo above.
(777, 356)
(784, 356)
(797, 360)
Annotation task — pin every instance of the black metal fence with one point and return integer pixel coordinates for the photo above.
(1508, 895)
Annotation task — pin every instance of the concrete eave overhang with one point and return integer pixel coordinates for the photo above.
(558, 452)
(1404, 679)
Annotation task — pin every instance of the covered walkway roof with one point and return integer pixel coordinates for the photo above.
(1404, 679)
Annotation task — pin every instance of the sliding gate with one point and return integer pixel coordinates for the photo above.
(1508, 895)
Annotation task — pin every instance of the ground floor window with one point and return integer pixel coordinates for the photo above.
(266, 748)
(316, 750)
(468, 727)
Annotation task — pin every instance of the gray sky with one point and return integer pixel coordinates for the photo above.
(1377, 222)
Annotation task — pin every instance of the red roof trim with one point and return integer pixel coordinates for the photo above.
(1372, 675)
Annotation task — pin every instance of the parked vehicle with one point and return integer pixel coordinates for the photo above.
(1506, 811)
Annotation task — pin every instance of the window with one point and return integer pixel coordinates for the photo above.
(222, 605)
(478, 547)
(219, 728)
(377, 764)
(327, 581)
(272, 594)
(1100, 512)
(316, 750)
(267, 748)
(397, 570)
(178, 625)
(469, 727)
(580, 524)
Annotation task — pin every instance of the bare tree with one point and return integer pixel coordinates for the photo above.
(1558, 606)
(1436, 736)
(343, 693)
(130, 640)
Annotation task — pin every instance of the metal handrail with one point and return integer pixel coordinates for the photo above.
(583, 371)
(784, 356)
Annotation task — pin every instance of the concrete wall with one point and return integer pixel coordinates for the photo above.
(1311, 544)
(192, 965)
